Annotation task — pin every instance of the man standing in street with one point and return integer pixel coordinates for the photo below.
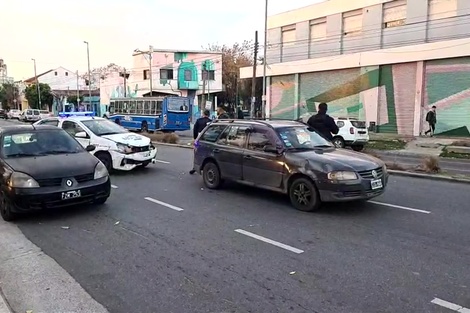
(432, 120)
(323, 123)
(199, 126)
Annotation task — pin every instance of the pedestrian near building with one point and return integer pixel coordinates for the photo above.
(323, 123)
(199, 126)
(431, 118)
(221, 113)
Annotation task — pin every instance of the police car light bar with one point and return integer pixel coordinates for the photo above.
(69, 114)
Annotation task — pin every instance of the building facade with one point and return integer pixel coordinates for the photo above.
(384, 61)
(4, 78)
(180, 73)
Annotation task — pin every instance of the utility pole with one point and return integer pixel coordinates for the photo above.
(78, 89)
(253, 81)
(89, 72)
(265, 48)
(125, 76)
(204, 78)
(37, 85)
(150, 70)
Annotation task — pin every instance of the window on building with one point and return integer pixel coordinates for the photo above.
(146, 74)
(66, 73)
(352, 23)
(166, 74)
(394, 13)
(439, 9)
(188, 75)
(318, 29)
(208, 75)
(55, 73)
(288, 35)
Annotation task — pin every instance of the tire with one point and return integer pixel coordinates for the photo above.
(211, 176)
(100, 201)
(106, 159)
(144, 128)
(304, 195)
(338, 142)
(357, 147)
(5, 210)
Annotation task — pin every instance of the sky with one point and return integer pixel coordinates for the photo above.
(53, 32)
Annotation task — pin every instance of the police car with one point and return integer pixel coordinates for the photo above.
(116, 147)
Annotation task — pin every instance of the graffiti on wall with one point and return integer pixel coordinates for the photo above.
(384, 95)
(447, 85)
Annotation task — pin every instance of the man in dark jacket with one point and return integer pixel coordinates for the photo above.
(199, 126)
(323, 123)
(432, 120)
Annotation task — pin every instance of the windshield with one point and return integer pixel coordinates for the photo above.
(35, 112)
(302, 138)
(104, 127)
(178, 104)
(39, 143)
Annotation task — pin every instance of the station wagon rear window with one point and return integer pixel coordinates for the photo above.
(212, 133)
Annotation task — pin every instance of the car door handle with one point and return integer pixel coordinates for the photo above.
(247, 157)
(216, 150)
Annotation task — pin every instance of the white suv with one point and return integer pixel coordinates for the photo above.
(352, 133)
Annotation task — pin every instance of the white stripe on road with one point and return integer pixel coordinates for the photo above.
(114, 187)
(164, 204)
(274, 243)
(161, 161)
(450, 305)
(399, 207)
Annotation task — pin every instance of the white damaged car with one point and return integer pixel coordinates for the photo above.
(116, 147)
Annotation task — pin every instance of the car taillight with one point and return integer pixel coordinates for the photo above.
(351, 130)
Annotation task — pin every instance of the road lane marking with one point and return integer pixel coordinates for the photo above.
(267, 240)
(450, 305)
(114, 187)
(399, 207)
(164, 204)
(161, 161)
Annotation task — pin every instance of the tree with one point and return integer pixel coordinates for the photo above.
(233, 58)
(101, 73)
(47, 98)
(8, 94)
(73, 99)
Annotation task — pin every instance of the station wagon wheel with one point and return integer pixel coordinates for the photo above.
(339, 142)
(211, 176)
(5, 209)
(303, 195)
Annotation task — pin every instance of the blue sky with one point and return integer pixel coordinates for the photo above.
(53, 31)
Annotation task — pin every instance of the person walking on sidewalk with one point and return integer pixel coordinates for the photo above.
(199, 126)
(323, 123)
(432, 120)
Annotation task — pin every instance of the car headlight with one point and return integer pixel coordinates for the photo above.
(342, 175)
(100, 171)
(22, 180)
(123, 148)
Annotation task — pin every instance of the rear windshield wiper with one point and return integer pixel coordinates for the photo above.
(24, 155)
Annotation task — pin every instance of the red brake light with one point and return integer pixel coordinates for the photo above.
(351, 130)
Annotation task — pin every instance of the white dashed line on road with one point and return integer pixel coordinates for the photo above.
(399, 207)
(164, 204)
(267, 240)
(114, 187)
(450, 305)
(161, 161)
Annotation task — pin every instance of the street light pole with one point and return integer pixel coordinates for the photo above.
(263, 107)
(150, 70)
(37, 85)
(89, 72)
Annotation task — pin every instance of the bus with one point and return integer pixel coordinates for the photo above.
(167, 114)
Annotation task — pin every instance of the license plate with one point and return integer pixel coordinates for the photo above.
(71, 194)
(376, 184)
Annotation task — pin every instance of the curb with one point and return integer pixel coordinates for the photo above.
(4, 306)
(429, 176)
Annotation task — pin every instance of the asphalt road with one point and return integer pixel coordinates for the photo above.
(164, 243)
